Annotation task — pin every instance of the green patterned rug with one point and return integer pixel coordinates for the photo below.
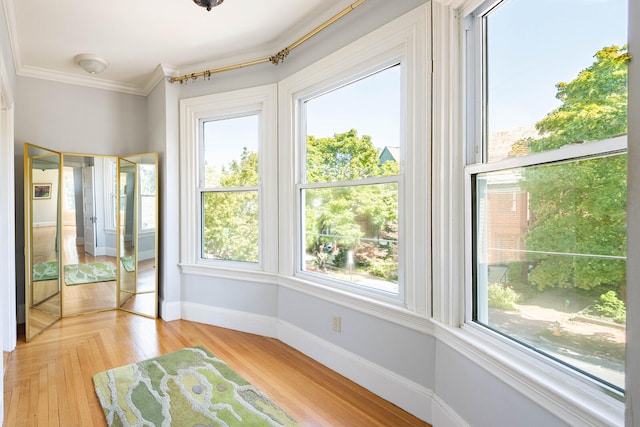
(190, 387)
(128, 262)
(92, 272)
(45, 271)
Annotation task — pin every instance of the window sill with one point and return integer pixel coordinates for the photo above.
(245, 274)
(390, 311)
(576, 399)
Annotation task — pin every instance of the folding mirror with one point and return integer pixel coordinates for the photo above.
(89, 233)
(42, 178)
(138, 237)
(91, 236)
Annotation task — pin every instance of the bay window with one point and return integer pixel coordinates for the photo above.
(546, 180)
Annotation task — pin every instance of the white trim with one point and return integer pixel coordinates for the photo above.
(256, 276)
(263, 100)
(171, 310)
(403, 40)
(362, 303)
(447, 162)
(232, 319)
(403, 392)
(8, 323)
(567, 395)
(443, 415)
(568, 152)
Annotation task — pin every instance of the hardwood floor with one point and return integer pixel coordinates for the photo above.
(49, 380)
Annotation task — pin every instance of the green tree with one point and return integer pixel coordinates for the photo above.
(580, 207)
(339, 218)
(231, 217)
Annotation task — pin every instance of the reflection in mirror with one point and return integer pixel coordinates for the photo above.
(42, 239)
(89, 234)
(138, 234)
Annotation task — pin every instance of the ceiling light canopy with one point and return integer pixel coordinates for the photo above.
(92, 64)
(208, 3)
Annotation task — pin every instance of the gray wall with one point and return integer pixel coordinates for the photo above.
(77, 119)
(73, 119)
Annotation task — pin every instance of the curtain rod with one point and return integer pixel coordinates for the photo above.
(274, 59)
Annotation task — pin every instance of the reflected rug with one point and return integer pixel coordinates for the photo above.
(92, 272)
(45, 271)
(190, 387)
(128, 262)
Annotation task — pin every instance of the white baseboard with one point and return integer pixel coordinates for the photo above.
(231, 319)
(170, 310)
(404, 393)
(442, 415)
(400, 391)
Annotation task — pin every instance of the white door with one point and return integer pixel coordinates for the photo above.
(89, 208)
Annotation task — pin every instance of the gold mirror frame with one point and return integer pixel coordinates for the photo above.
(138, 234)
(89, 234)
(43, 302)
(44, 295)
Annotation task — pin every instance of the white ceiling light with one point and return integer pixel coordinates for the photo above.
(92, 64)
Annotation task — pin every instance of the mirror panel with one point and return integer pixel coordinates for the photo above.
(89, 234)
(42, 239)
(138, 251)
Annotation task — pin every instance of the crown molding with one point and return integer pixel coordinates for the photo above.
(88, 81)
(10, 19)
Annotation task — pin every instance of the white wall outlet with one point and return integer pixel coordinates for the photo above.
(336, 323)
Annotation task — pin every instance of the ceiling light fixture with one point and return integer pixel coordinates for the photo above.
(208, 3)
(92, 64)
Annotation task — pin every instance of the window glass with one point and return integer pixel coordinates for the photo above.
(352, 234)
(550, 235)
(550, 65)
(147, 176)
(350, 199)
(551, 259)
(230, 214)
(230, 152)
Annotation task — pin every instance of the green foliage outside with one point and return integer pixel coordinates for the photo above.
(580, 207)
(609, 305)
(503, 297)
(357, 219)
(230, 218)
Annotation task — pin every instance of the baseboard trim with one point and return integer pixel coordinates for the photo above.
(443, 415)
(402, 392)
(406, 394)
(231, 319)
(170, 310)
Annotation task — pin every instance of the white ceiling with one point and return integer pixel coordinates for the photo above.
(137, 36)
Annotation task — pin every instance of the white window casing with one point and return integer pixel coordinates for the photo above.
(262, 101)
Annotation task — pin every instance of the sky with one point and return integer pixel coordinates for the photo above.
(535, 44)
(225, 139)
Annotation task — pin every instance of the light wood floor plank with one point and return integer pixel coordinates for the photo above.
(49, 380)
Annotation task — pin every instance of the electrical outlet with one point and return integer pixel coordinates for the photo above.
(336, 323)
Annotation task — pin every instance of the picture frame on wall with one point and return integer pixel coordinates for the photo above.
(41, 191)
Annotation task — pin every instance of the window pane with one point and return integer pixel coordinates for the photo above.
(147, 196)
(537, 97)
(353, 132)
(231, 152)
(551, 258)
(230, 226)
(351, 234)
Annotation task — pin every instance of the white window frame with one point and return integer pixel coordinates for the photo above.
(574, 398)
(404, 40)
(261, 100)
